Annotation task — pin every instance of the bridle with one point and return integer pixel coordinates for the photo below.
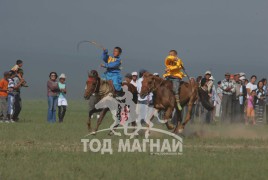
(96, 88)
(154, 87)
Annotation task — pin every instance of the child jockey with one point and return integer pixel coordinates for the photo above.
(174, 65)
(112, 64)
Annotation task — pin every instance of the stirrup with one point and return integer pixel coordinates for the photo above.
(179, 106)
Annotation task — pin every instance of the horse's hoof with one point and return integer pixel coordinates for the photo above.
(94, 133)
(117, 134)
(110, 133)
(136, 134)
(181, 131)
(170, 126)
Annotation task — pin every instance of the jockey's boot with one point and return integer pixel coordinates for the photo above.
(119, 93)
(177, 97)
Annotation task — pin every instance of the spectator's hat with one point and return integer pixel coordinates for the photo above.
(62, 76)
(156, 74)
(242, 74)
(128, 75)
(227, 74)
(242, 78)
(237, 74)
(134, 74)
(208, 73)
(211, 78)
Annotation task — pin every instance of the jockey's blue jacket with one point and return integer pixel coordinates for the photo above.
(112, 64)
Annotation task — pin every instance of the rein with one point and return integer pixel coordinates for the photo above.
(95, 90)
(156, 87)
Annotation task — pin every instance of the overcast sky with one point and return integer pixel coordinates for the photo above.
(220, 35)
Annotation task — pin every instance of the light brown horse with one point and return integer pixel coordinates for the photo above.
(99, 89)
(164, 98)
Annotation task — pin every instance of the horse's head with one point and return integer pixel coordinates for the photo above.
(92, 84)
(147, 84)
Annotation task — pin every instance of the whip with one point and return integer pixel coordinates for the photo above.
(91, 42)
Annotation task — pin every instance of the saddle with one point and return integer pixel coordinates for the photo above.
(110, 83)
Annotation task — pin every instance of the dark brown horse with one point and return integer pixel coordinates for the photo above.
(95, 90)
(164, 98)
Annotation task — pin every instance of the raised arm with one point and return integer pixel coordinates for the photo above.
(105, 55)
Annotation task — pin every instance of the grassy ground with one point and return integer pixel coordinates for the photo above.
(34, 149)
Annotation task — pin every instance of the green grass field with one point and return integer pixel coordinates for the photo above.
(34, 149)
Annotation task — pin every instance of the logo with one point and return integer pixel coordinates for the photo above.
(124, 114)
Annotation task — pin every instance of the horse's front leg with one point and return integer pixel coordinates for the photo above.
(91, 112)
(102, 115)
(114, 125)
(188, 117)
(149, 123)
(135, 124)
(179, 122)
(125, 126)
(89, 124)
(113, 131)
(167, 116)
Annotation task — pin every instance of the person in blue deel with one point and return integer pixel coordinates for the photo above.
(112, 64)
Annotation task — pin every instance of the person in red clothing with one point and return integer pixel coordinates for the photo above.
(52, 94)
(3, 97)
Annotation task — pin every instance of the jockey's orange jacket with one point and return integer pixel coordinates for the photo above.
(173, 67)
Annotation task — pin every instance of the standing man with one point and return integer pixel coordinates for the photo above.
(235, 102)
(18, 83)
(134, 79)
(251, 85)
(218, 100)
(228, 89)
(10, 97)
(209, 84)
(62, 100)
(242, 98)
(3, 97)
(264, 80)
